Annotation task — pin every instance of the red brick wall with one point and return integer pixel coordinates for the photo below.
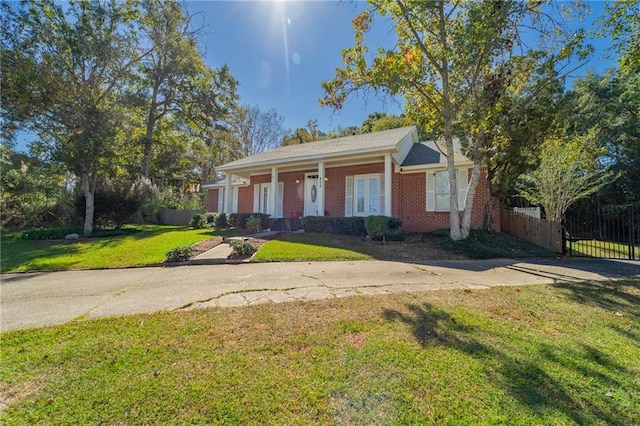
(410, 205)
(211, 203)
(408, 197)
(334, 189)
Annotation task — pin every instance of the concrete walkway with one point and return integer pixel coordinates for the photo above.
(41, 299)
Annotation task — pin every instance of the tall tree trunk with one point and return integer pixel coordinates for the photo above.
(89, 191)
(148, 142)
(152, 118)
(471, 191)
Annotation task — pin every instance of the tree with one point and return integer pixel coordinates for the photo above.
(453, 62)
(568, 171)
(174, 82)
(254, 131)
(64, 70)
(32, 192)
(622, 22)
(304, 135)
(611, 102)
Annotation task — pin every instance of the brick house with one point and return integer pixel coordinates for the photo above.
(384, 173)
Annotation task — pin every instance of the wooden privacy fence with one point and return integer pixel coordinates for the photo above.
(176, 217)
(540, 232)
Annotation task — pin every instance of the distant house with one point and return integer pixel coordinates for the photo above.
(384, 173)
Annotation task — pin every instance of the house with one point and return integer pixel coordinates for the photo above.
(387, 173)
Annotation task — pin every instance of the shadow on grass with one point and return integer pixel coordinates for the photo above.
(543, 380)
(614, 296)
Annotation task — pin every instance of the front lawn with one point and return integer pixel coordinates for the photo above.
(148, 245)
(563, 354)
(435, 246)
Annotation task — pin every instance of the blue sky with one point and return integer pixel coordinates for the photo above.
(281, 51)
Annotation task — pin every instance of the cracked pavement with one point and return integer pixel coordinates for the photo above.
(49, 298)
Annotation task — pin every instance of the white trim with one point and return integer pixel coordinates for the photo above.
(321, 186)
(367, 194)
(227, 193)
(386, 190)
(430, 186)
(273, 194)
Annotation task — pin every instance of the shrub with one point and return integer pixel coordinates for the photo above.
(242, 247)
(180, 254)
(211, 218)
(237, 220)
(334, 225)
(350, 226)
(254, 224)
(198, 221)
(114, 204)
(48, 233)
(383, 228)
(220, 221)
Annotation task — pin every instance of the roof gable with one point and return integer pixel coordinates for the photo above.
(431, 154)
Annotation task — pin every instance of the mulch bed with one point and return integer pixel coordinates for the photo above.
(257, 243)
(205, 245)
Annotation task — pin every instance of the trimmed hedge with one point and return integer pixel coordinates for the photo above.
(384, 228)
(239, 220)
(334, 225)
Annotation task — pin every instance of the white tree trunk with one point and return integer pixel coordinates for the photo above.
(471, 191)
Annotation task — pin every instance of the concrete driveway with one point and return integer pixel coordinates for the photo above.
(42, 299)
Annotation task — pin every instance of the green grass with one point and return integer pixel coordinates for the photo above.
(536, 355)
(599, 248)
(437, 246)
(311, 247)
(147, 246)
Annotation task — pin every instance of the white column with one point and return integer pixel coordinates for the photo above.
(273, 192)
(227, 193)
(320, 189)
(387, 185)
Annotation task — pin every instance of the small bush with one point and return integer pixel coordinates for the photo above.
(180, 254)
(254, 224)
(242, 247)
(198, 221)
(220, 221)
(211, 218)
(384, 228)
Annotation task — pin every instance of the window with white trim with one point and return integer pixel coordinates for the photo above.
(364, 195)
(262, 196)
(438, 189)
(442, 190)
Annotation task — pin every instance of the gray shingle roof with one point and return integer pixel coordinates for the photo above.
(365, 143)
(427, 153)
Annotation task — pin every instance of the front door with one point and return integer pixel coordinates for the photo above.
(311, 194)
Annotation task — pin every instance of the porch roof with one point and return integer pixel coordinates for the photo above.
(396, 142)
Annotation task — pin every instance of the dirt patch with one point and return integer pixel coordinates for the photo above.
(16, 392)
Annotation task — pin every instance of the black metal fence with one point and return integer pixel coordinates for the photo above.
(609, 232)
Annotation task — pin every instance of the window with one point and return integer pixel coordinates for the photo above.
(363, 195)
(438, 194)
(442, 190)
(234, 200)
(262, 199)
